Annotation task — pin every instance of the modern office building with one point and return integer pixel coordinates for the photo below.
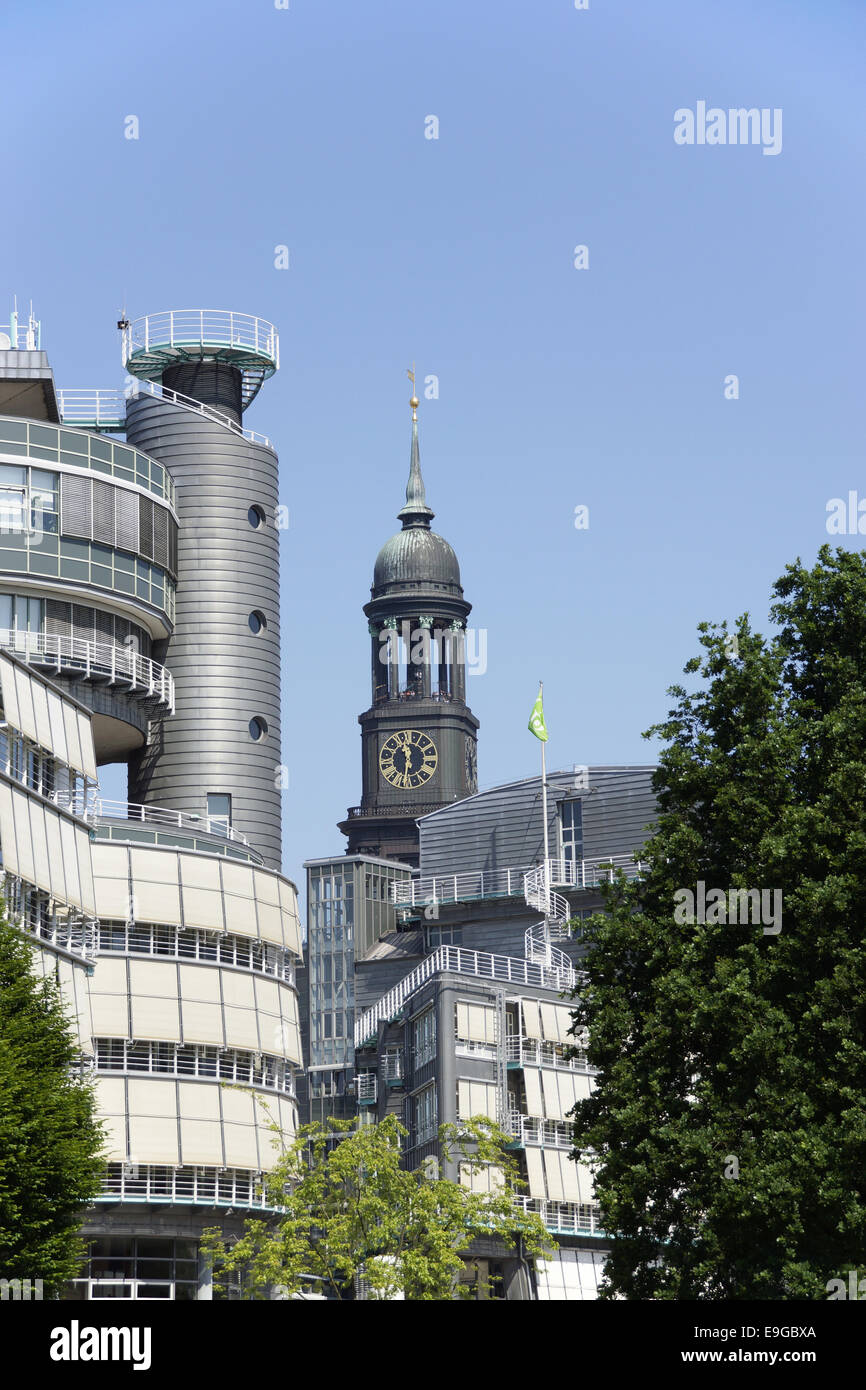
(139, 610)
(477, 1022)
(462, 1007)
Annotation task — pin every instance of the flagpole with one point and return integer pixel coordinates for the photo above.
(544, 815)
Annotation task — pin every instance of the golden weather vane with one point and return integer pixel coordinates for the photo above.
(414, 401)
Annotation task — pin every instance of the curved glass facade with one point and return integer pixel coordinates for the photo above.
(40, 554)
(84, 449)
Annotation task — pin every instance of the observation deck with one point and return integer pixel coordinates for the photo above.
(153, 344)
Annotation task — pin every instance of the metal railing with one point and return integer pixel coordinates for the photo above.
(266, 1071)
(537, 945)
(552, 1134)
(533, 1053)
(500, 883)
(393, 1070)
(202, 328)
(366, 1087)
(55, 926)
(98, 808)
(571, 1218)
(93, 661)
(152, 343)
(459, 961)
(468, 887)
(403, 808)
(539, 894)
(92, 408)
(106, 409)
(131, 1182)
(442, 697)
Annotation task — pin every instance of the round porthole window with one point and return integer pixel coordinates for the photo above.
(258, 728)
(257, 621)
(256, 516)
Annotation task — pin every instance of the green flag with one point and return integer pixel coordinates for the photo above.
(537, 725)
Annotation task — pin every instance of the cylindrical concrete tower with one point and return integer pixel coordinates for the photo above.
(220, 753)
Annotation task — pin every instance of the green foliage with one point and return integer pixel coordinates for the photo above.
(719, 1041)
(349, 1208)
(50, 1142)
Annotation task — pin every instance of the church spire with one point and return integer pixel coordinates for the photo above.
(416, 512)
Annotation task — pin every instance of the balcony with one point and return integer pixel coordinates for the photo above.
(157, 341)
(529, 1052)
(403, 809)
(104, 410)
(551, 1134)
(478, 884)
(100, 811)
(212, 1187)
(97, 662)
(393, 1071)
(565, 1218)
(367, 1087)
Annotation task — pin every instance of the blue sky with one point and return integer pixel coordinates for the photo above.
(557, 387)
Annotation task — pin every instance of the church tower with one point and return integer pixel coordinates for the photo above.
(419, 735)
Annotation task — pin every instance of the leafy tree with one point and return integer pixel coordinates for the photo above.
(349, 1208)
(729, 1116)
(50, 1142)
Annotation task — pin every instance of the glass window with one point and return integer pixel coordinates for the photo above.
(571, 830)
(219, 810)
(12, 503)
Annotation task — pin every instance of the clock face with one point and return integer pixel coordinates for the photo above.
(471, 766)
(408, 759)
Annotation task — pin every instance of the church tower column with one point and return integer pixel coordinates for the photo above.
(418, 744)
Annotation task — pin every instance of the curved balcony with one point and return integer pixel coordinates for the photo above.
(97, 662)
(157, 341)
(99, 810)
(188, 1186)
(104, 409)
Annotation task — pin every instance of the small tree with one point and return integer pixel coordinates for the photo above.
(350, 1209)
(50, 1141)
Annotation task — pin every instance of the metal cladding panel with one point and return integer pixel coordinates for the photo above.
(127, 519)
(103, 512)
(225, 675)
(26, 710)
(75, 505)
(503, 828)
(109, 998)
(9, 692)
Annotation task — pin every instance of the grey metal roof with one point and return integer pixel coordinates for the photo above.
(416, 555)
(503, 827)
